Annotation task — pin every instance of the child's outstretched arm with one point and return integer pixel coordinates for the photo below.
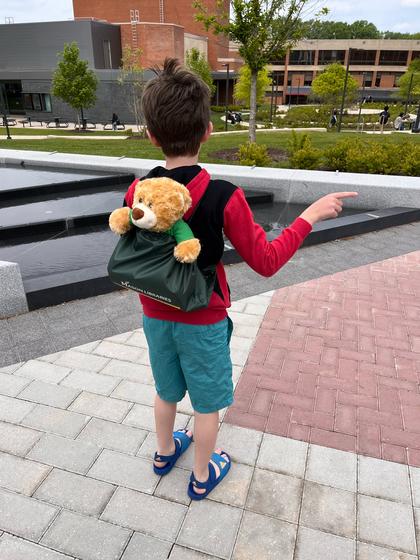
(249, 238)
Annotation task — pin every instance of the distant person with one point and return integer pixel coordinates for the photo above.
(115, 121)
(369, 99)
(238, 117)
(384, 117)
(333, 119)
(399, 122)
(231, 117)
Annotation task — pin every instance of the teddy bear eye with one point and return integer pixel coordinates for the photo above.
(140, 200)
(150, 205)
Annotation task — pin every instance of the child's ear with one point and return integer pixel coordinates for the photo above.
(208, 132)
(152, 139)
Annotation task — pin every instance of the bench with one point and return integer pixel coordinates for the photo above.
(10, 122)
(30, 120)
(57, 122)
(87, 125)
(108, 126)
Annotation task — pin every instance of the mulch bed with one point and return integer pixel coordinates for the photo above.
(230, 154)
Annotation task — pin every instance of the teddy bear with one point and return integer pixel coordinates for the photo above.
(158, 205)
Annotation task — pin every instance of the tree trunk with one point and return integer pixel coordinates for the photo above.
(82, 117)
(253, 107)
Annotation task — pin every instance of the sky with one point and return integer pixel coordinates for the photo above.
(392, 15)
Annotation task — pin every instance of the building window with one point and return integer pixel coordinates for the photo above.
(329, 57)
(301, 57)
(106, 45)
(278, 78)
(416, 54)
(393, 58)
(362, 57)
(308, 79)
(387, 79)
(37, 102)
(281, 61)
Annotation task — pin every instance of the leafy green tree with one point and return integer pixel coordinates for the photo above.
(263, 29)
(397, 35)
(197, 62)
(328, 86)
(131, 77)
(242, 90)
(360, 29)
(410, 78)
(73, 82)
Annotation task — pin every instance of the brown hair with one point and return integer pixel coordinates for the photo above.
(176, 107)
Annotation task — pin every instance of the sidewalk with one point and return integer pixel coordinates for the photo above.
(328, 387)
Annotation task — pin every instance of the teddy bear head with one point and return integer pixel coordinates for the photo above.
(158, 203)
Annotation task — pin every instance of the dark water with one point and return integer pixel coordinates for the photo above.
(16, 176)
(59, 208)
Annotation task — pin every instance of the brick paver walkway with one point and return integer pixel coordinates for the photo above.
(337, 363)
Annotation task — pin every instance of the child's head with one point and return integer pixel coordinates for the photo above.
(176, 106)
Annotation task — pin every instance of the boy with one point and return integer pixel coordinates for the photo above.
(190, 350)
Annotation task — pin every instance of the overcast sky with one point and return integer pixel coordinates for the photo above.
(393, 15)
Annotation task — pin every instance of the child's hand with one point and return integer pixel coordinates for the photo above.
(326, 207)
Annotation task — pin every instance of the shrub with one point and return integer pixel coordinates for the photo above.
(303, 155)
(254, 154)
(222, 108)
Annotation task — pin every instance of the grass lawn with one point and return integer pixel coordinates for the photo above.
(29, 131)
(143, 148)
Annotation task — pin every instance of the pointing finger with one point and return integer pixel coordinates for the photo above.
(345, 194)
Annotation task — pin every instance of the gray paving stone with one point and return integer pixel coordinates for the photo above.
(415, 484)
(386, 523)
(86, 537)
(315, 545)
(50, 373)
(16, 439)
(149, 447)
(13, 410)
(122, 352)
(89, 381)
(173, 486)
(264, 538)
(283, 455)
(329, 509)
(145, 513)
(51, 358)
(48, 394)
(100, 406)
(140, 393)
(384, 479)
(182, 553)
(234, 489)
(186, 407)
(332, 467)
(145, 546)
(119, 338)
(373, 552)
(417, 525)
(13, 548)
(11, 369)
(11, 385)
(75, 456)
(88, 347)
(142, 416)
(138, 339)
(75, 492)
(24, 516)
(20, 475)
(113, 436)
(275, 494)
(131, 472)
(55, 421)
(139, 373)
(242, 444)
(221, 523)
(81, 360)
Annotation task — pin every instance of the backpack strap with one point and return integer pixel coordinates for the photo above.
(198, 186)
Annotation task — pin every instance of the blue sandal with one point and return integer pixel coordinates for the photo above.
(213, 480)
(182, 443)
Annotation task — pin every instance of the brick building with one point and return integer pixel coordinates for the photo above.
(159, 27)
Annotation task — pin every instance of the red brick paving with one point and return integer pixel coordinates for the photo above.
(337, 363)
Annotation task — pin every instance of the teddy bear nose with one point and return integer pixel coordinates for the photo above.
(137, 213)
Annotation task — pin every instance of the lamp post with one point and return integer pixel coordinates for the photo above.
(3, 111)
(275, 95)
(416, 127)
(227, 95)
(361, 102)
(272, 97)
(340, 118)
(409, 93)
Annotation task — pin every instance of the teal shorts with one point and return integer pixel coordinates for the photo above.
(193, 358)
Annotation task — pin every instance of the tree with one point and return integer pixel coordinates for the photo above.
(131, 77)
(73, 82)
(263, 29)
(328, 86)
(409, 83)
(360, 29)
(242, 90)
(197, 62)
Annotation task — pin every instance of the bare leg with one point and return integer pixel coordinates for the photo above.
(164, 419)
(206, 427)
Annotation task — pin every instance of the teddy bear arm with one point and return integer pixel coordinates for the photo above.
(187, 251)
(119, 220)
